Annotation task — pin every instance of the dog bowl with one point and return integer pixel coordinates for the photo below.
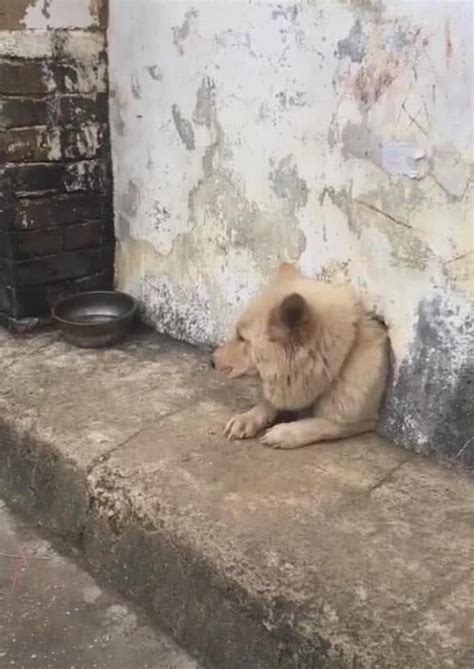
(95, 319)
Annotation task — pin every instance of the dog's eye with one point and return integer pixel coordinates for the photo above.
(239, 337)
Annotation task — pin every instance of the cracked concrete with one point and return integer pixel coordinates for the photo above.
(333, 556)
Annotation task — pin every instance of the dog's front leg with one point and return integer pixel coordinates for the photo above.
(247, 425)
(311, 430)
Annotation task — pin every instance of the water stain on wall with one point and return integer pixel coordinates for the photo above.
(434, 385)
(180, 33)
(155, 72)
(354, 45)
(184, 128)
(288, 186)
(222, 220)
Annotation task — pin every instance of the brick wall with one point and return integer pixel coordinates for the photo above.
(56, 225)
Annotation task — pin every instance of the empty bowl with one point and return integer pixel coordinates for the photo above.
(97, 318)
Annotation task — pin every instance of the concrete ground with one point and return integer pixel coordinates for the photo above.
(354, 554)
(54, 615)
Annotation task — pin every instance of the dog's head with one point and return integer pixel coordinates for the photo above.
(273, 341)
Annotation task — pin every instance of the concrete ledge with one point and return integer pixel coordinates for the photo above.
(353, 554)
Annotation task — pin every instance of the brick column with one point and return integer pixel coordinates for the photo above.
(56, 225)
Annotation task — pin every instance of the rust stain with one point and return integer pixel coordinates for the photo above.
(448, 45)
(370, 84)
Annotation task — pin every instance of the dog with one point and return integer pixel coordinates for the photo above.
(315, 350)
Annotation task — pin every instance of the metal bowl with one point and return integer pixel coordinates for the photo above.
(95, 319)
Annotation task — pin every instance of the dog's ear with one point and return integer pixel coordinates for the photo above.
(290, 318)
(293, 311)
(287, 271)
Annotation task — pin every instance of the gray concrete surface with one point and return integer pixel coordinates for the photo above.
(352, 554)
(53, 615)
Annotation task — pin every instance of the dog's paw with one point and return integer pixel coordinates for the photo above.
(242, 426)
(283, 435)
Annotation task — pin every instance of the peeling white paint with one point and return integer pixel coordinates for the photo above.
(46, 141)
(83, 45)
(26, 44)
(87, 79)
(44, 14)
(405, 159)
(87, 142)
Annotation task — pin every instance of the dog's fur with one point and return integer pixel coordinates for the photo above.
(314, 348)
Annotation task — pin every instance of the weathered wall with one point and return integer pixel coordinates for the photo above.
(337, 134)
(56, 229)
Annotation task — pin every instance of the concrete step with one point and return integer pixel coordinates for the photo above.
(353, 554)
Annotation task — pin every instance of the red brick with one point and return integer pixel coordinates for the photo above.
(6, 299)
(35, 179)
(66, 265)
(6, 189)
(100, 281)
(6, 272)
(7, 215)
(82, 235)
(30, 243)
(60, 210)
(88, 141)
(102, 8)
(23, 112)
(25, 78)
(35, 301)
(37, 144)
(89, 175)
(76, 78)
(77, 109)
(24, 302)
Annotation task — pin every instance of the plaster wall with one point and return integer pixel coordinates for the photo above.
(334, 134)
